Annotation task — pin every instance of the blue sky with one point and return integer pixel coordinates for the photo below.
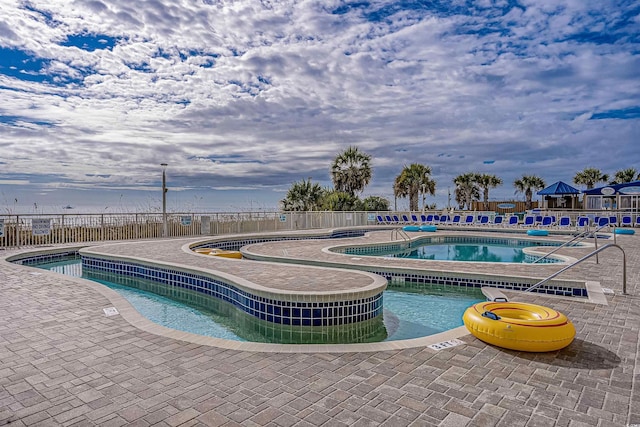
(242, 98)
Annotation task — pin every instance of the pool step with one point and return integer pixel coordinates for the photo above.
(493, 294)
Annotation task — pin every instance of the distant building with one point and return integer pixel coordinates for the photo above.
(615, 196)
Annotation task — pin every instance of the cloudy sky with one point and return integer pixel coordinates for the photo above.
(242, 98)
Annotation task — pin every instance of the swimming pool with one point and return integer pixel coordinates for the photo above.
(410, 311)
(457, 248)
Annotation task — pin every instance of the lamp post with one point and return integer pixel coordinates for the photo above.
(164, 199)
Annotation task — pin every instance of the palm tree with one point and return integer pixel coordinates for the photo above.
(414, 179)
(486, 181)
(590, 177)
(334, 200)
(351, 171)
(303, 196)
(624, 175)
(375, 203)
(467, 188)
(527, 185)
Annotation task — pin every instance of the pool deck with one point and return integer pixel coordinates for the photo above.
(64, 362)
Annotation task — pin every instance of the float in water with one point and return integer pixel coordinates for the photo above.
(519, 326)
(219, 252)
(430, 228)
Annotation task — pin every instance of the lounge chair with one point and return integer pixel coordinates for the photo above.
(468, 220)
(513, 221)
(484, 219)
(582, 222)
(405, 219)
(626, 221)
(565, 222)
(613, 220)
(497, 220)
(638, 220)
(456, 220)
(423, 218)
(396, 219)
(414, 219)
(380, 219)
(388, 219)
(547, 221)
(428, 219)
(602, 221)
(529, 221)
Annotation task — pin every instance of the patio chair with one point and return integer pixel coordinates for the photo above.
(388, 219)
(423, 219)
(626, 221)
(582, 222)
(638, 220)
(414, 219)
(547, 221)
(602, 221)
(456, 220)
(405, 219)
(529, 221)
(513, 221)
(497, 220)
(484, 220)
(468, 220)
(380, 219)
(428, 219)
(396, 219)
(613, 220)
(565, 222)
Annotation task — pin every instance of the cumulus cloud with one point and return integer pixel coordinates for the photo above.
(249, 94)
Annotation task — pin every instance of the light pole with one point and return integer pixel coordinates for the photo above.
(164, 199)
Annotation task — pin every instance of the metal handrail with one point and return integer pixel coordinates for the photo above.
(580, 236)
(400, 232)
(595, 252)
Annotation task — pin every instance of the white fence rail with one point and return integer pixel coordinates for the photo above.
(40, 229)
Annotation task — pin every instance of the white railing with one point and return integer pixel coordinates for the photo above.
(47, 229)
(17, 230)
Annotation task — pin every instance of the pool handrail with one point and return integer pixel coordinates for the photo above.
(580, 236)
(595, 252)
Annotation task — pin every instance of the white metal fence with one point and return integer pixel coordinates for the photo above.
(39, 229)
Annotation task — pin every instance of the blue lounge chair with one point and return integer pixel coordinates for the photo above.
(638, 220)
(484, 219)
(396, 219)
(529, 221)
(497, 220)
(613, 220)
(405, 219)
(547, 221)
(626, 221)
(414, 219)
(423, 218)
(565, 222)
(513, 221)
(603, 221)
(429, 219)
(468, 220)
(582, 221)
(388, 219)
(380, 219)
(456, 220)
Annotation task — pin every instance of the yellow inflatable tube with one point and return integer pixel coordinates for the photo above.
(519, 326)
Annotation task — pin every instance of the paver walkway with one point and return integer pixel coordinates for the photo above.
(63, 362)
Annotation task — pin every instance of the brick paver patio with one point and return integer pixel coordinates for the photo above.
(63, 362)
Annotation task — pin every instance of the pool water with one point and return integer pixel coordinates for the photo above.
(467, 249)
(468, 253)
(411, 311)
